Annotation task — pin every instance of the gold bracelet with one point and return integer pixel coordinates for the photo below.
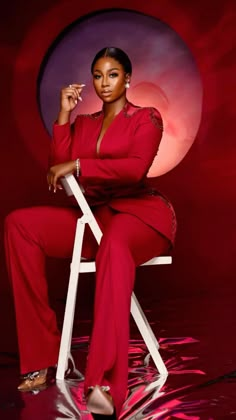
(77, 165)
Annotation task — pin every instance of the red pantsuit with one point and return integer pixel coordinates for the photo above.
(137, 224)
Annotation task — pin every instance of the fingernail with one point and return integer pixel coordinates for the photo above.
(80, 99)
(49, 187)
(55, 190)
(76, 101)
(82, 85)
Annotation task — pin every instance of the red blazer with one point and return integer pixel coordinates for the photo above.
(116, 176)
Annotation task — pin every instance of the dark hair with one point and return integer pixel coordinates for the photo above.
(116, 53)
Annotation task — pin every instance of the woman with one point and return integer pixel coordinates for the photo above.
(110, 152)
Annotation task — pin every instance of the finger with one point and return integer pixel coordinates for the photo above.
(50, 186)
(49, 182)
(79, 91)
(74, 88)
(54, 183)
(77, 85)
(78, 88)
(57, 187)
(71, 93)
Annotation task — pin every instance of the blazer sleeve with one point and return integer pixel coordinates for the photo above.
(60, 150)
(131, 169)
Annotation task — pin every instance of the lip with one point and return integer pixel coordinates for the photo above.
(106, 92)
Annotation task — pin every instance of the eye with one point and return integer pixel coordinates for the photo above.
(96, 76)
(113, 75)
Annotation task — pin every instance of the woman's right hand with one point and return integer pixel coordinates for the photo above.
(58, 171)
(70, 96)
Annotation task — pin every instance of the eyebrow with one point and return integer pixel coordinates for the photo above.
(114, 68)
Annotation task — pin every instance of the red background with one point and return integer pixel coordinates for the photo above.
(202, 187)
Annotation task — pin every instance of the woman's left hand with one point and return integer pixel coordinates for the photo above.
(58, 171)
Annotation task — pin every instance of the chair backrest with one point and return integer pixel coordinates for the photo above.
(72, 187)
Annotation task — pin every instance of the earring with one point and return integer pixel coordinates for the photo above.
(127, 85)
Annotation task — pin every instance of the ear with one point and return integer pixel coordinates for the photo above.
(127, 77)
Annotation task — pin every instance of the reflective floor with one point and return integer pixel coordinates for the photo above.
(197, 338)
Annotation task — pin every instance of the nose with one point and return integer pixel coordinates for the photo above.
(105, 81)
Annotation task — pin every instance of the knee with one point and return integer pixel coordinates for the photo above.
(13, 219)
(114, 247)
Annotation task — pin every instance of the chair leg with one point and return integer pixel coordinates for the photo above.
(64, 352)
(72, 407)
(147, 334)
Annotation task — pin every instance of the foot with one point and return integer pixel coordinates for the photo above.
(99, 401)
(33, 380)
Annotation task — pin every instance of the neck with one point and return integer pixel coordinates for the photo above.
(114, 108)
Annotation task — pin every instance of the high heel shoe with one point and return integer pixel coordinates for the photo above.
(41, 379)
(33, 381)
(38, 380)
(100, 403)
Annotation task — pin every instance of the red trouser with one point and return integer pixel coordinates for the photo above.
(34, 233)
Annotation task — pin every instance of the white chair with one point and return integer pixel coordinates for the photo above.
(79, 266)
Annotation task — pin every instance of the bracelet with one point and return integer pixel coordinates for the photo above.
(77, 165)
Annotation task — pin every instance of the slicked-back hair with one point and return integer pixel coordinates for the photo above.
(118, 55)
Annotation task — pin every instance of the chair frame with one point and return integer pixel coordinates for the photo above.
(78, 266)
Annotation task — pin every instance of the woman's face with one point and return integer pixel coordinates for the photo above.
(109, 79)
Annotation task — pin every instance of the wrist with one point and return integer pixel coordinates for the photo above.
(63, 117)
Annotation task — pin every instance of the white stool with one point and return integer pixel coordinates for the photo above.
(77, 266)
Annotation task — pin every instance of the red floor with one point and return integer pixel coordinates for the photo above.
(197, 337)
